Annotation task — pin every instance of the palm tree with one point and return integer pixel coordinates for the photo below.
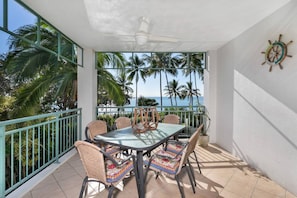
(114, 59)
(190, 92)
(125, 84)
(6, 101)
(174, 90)
(40, 76)
(192, 64)
(5, 87)
(107, 83)
(163, 62)
(136, 71)
(37, 72)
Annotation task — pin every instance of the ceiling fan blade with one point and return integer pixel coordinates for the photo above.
(144, 24)
(155, 38)
(142, 36)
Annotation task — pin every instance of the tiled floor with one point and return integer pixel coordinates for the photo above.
(222, 176)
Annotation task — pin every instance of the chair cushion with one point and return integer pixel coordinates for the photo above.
(116, 173)
(174, 147)
(111, 150)
(165, 161)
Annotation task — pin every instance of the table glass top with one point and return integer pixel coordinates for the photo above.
(128, 138)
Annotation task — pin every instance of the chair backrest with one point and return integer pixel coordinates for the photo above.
(96, 127)
(92, 160)
(122, 122)
(193, 141)
(191, 146)
(171, 119)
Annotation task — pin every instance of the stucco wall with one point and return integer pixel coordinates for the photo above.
(256, 115)
(87, 88)
(210, 93)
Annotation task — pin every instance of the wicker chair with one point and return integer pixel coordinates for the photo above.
(176, 146)
(172, 163)
(101, 167)
(122, 122)
(98, 127)
(171, 119)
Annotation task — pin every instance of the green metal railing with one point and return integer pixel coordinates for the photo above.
(30, 144)
(192, 117)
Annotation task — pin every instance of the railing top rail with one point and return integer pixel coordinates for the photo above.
(24, 119)
(131, 107)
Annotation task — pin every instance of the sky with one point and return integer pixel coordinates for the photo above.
(151, 87)
(18, 16)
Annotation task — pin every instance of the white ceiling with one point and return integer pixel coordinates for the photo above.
(198, 25)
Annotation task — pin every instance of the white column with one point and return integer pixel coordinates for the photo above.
(87, 88)
(210, 92)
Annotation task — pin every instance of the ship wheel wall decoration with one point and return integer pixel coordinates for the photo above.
(276, 53)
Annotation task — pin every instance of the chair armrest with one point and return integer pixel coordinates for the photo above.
(183, 144)
(176, 142)
(182, 150)
(87, 134)
(164, 156)
(120, 162)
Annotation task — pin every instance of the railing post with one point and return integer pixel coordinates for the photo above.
(57, 139)
(79, 117)
(2, 161)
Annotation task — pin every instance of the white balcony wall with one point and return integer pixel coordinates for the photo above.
(256, 115)
(210, 92)
(87, 88)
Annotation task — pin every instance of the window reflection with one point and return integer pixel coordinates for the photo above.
(66, 48)
(19, 16)
(1, 13)
(33, 29)
(77, 55)
(3, 42)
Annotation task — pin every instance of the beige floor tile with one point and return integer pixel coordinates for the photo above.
(290, 195)
(271, 187)
(50, 180)
(240, 187)
(71, 186)
(204, 169)
(50, 191)
(228, 194)
(129, 190)
(65, 171)
(223, 176)
(28, 195)
(208, 185)
(205, 193)
(259, 193)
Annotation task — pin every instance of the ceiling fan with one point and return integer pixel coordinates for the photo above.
(142, 36)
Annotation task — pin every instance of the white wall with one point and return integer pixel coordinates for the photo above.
(210, 92)
(87, 88)
(256, 116)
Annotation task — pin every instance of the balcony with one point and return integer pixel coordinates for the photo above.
(55, 170)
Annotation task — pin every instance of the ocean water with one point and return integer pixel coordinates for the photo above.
(166, 101)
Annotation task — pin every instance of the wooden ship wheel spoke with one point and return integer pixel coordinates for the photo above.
(276, 53)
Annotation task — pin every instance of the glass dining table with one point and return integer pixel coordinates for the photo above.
(127, 138)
